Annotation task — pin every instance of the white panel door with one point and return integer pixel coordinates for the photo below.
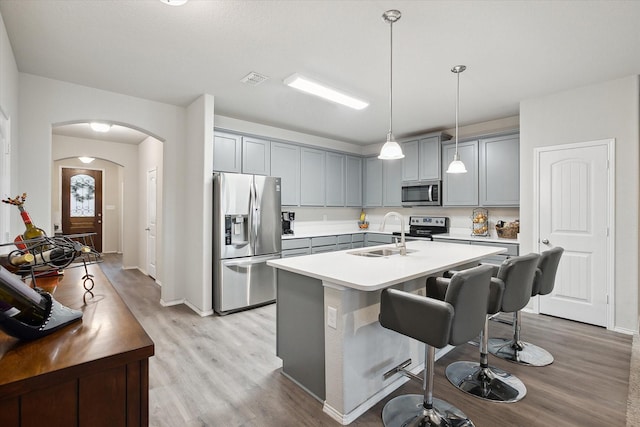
(152, 188)
(574, 214)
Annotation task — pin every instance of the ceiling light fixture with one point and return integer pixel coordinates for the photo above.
(174, 2)
(100, 127)
(456, 166)
(391, 149)
(86, 160)
(316, 88)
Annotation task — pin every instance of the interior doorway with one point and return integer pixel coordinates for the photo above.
(574, 211)
(82, 203)
(124, 153)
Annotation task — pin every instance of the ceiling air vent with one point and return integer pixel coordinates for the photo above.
(254, 79)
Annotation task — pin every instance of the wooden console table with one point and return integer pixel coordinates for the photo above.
(91, 373)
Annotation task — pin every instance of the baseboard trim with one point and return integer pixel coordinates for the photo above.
(197, 310)
(346, 419)
(171, 303)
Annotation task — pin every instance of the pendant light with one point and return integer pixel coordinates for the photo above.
(456, 166)
(391, 149)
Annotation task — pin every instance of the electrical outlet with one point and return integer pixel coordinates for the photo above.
(332, 317)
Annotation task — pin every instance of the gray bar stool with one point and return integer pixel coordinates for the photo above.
(514, 349)
(510, 290)
(455, 320)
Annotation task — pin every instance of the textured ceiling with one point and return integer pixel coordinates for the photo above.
(514, 50)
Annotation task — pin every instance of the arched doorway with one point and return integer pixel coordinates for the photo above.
(124, 155)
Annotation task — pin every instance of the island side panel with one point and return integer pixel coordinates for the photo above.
(359, 351)
(300, 330)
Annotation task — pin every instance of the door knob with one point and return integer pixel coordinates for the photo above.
(545, 241)
(147, 229)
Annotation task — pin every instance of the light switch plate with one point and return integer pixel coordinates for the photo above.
(332, 317)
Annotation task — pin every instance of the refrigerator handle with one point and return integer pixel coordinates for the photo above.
(255, 217)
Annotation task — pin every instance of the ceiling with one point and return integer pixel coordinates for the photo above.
(513, 51)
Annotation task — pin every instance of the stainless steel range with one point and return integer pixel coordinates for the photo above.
(421, 226)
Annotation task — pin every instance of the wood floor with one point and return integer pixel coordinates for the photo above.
(222, 370)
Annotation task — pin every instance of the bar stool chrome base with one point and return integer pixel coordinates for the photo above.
(408, 411)
(488, 383)
(520, 352)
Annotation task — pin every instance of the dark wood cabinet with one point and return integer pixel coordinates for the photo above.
(91, 373)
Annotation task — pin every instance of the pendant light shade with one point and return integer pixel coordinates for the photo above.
(456, 166)
(391, 149)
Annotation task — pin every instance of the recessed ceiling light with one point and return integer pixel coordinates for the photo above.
(86, 159)
(316, 88)
(174, 2)
(100, 127)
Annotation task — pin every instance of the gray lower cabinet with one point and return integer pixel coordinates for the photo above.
(285, 163)
(227, 152)
(335, 179)
(353, 173)
(375, 239)
(499, 169)
(323, 244)
(296, 247)
(460, 189)
(513, 249)
(357, 240)
(256, 156)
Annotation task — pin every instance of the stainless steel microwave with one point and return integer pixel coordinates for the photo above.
(425, 193)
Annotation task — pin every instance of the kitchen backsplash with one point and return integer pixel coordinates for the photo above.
(459, 218)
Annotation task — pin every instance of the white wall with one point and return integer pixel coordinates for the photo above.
(46, 102)
(195, 251)
(149, 154)
(602, 111)
(9, 105)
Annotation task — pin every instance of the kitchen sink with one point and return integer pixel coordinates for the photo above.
(379, 252)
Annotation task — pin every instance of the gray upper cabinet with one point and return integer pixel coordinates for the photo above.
(461, 189)
(499, 170)
(429, 158)
(227, 152)
(392, 179)
(285, 163)
(312, 177)
(372, 182)
(410, 162)
(335, 179)
(354, 181)
(422, 158)
(256, 156)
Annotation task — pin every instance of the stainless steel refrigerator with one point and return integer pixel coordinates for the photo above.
(247, 233)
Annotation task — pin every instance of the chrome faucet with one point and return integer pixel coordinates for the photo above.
(403, 243)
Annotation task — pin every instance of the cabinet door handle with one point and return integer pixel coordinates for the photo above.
(545, 241)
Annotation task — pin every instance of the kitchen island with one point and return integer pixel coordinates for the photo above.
(328, 334)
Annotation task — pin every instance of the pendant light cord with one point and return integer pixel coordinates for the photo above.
(457, 109)
(390, 83)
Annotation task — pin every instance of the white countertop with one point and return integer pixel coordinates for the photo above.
(374, 273)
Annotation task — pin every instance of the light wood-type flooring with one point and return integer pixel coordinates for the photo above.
(222, 370)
